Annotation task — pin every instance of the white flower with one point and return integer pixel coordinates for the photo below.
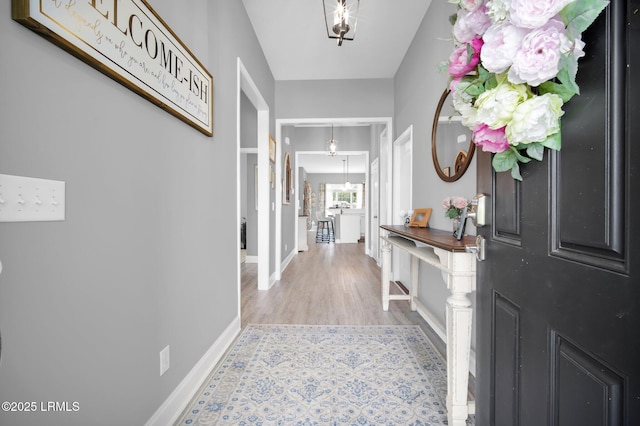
(463, 103)
(496, 106)
(575, 48)
(501, 42)
(535, 14)
(498, 10)
(539, 55)
(535, 120)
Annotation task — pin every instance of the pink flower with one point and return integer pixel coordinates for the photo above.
(459, 202)
(538, 58)
(459, 62)
(471, 5)
(490, 140)
(535, 14)
(501, 42)
(471, 24)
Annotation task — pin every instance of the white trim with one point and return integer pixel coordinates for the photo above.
(403, 145)
(289, 258)
(174, 405)
(246, 85)
(251, 259)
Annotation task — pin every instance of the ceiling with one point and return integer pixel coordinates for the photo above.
(324, 163)
(293, 37)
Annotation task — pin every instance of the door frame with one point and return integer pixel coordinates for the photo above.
(404, 141)
(246, 85)
(374, 212)
(320, 121)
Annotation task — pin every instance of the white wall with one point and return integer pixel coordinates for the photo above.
(142, 260)
(418, 86)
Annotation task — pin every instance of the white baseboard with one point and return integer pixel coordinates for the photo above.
(288, 260)
(175, 404)
(441, 330)
(251, 259)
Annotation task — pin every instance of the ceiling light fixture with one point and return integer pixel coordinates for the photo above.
(332, 144)
(341, 14)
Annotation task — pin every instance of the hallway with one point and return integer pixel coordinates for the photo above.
(331, 284)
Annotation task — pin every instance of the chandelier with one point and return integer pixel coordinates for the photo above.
(341, 18)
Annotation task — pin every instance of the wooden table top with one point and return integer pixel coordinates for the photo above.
(433, 237)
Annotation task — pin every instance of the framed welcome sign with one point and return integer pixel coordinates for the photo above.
(129, 42)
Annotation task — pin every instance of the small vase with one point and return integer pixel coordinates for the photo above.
(456, 225)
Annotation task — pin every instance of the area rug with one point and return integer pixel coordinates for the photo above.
(317, 375)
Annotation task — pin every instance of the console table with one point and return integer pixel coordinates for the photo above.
(444, 252)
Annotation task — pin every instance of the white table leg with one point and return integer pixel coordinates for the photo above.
(385, 250)
(459, 320)
(413, 291)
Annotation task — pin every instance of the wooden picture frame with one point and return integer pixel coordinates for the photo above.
(146, 56)
(420, 218)
(272, 149)
(287, 182)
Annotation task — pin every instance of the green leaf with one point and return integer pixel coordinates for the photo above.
(475, 89)
(491, 83)
(453, 18)
(557, 89)
(567, 74)
(469, 54)
(579, 15)
(521, 158)
(535, 151)
(504, 161)
(515, 172)
(553, 142)
(483, 74)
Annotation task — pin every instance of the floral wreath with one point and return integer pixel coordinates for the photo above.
(513, 66)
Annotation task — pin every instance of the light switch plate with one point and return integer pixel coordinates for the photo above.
(26, 199)
(165, 360)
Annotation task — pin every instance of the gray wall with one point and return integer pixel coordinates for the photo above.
(317, 98)
(142, 260)
(418, 86)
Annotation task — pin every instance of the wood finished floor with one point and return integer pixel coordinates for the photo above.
(331, 284)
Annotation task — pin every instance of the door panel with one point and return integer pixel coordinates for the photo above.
(558, 295)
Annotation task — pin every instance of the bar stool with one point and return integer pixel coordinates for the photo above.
(324, 231)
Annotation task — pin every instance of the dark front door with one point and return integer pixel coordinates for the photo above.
(559, 292)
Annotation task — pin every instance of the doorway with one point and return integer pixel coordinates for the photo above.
(246, 86)
(376, 139)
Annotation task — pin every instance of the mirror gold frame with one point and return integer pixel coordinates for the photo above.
(450, 172)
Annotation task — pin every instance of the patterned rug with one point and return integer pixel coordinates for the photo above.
(316, 375)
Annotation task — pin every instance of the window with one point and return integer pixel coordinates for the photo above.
(341, 197)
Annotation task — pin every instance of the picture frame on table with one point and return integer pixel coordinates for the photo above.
(420, 218)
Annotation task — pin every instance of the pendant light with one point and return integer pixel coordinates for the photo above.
(347, 183)
(332, 144)
(345, 11)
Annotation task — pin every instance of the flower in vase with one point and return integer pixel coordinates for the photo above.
(454, 206)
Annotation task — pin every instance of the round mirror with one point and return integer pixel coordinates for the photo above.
(451, 145)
